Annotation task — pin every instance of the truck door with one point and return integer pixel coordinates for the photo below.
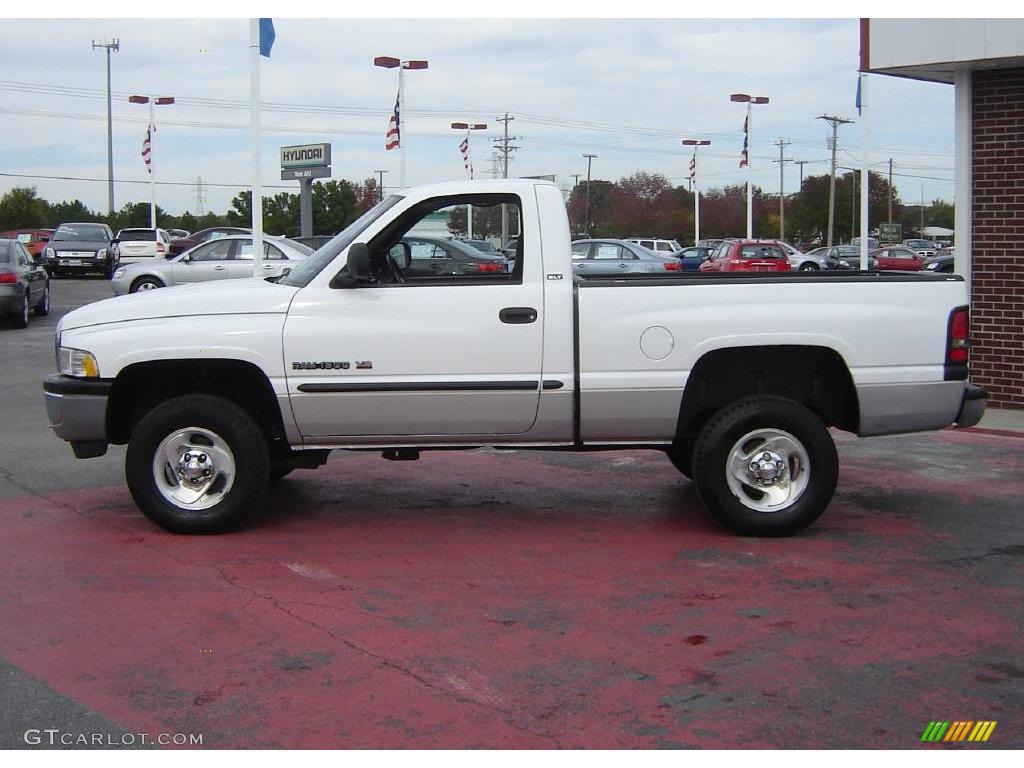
(422, 353)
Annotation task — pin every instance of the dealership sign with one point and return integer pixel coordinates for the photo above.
(306, 156)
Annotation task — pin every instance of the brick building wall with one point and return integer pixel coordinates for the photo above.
(997, 296)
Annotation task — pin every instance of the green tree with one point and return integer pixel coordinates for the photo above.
(70, 210)
(21, 208)
(335, 206)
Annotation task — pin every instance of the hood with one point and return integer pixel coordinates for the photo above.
(219, 297)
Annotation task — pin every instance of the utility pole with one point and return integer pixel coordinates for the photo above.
(802, 163)
(835, 122)
(782, 195)
(199, 196)
(112, 46)
(921, 230)
(380, 184)
(890, 190)
(505, 149)
(575, 179)
(590, 159)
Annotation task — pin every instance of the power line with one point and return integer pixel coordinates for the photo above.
(240, 184)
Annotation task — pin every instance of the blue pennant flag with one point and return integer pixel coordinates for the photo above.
(267, 36)
(858, 94)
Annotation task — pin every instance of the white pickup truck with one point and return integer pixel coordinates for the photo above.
(218, 389)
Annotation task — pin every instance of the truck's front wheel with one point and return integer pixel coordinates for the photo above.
(197, 464)
(765, 466)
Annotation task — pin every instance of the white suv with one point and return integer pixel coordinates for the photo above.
(142, 243)
(664, 247)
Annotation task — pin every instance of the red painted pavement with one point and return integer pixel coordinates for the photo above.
(475, 599)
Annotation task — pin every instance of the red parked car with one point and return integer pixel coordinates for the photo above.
(747, 256)
(34, 240)
(899, 257)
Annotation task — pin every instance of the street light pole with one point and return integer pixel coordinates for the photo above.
(749, 100)
(696, 187)
(152, 101)
(390, 62)
(590, 159)
(469, 127)
(112, 46)
(380, 186)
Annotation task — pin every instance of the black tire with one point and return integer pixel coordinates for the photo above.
(20, 318)
(808, 266)
(42, 307)
(681, 455)
(247, 450)
(108, 273)
(812, 485)
(148, 281)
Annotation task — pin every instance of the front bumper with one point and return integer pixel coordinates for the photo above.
(972, 407)
(77, 409)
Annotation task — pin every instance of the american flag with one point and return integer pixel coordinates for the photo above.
(744, 157)
(464, 149)
(693, 166)
(393, 139)
(147, 148)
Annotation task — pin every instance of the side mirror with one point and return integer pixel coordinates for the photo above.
(115, 241)
(359, 263)
(401, 254)
(357, 270)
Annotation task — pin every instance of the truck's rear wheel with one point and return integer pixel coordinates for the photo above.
(765, 466)
(197, 464)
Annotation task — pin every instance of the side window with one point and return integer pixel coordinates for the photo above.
(243, 252)
(648, 244)
(580, 251)
(436, 230)
(23, 258)
(606, 251)
(218, 250)
(665, 247)
(421, 249)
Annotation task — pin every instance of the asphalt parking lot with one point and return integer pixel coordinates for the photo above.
(507, 600)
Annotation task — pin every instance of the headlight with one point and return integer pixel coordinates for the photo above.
(119, 273)
(77, 362)
(931, 266)
(48, 253)
(101, 253)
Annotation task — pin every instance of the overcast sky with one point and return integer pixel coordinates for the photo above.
(625, 90)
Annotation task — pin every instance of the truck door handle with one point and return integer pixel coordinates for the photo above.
(220, 268)
(517, 315)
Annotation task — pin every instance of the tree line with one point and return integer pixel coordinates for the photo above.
(648, 205)
(642, 204)
(336, 203)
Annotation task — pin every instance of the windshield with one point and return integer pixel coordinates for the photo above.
(90, 233)
(300, 276)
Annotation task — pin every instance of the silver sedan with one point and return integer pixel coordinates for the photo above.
(221, 259)
(607, 256)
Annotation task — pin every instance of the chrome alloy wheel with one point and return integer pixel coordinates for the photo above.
(768, 470)
(193, 468)
(147, 285)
